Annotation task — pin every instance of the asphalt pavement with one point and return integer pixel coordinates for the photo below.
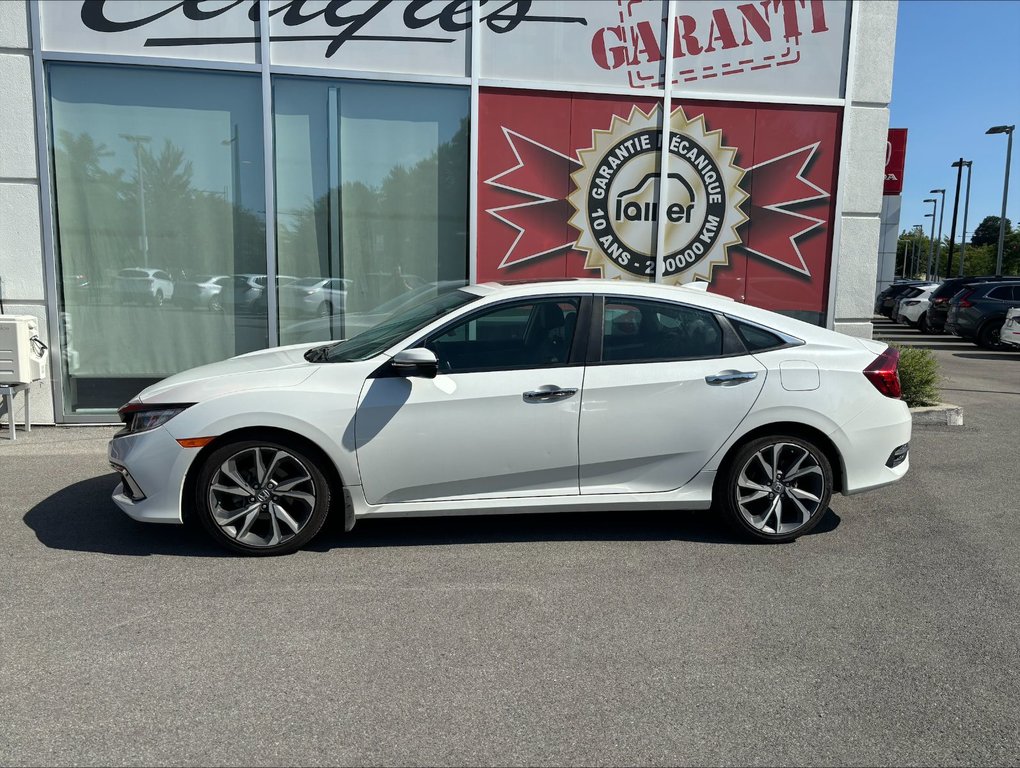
(887, 636)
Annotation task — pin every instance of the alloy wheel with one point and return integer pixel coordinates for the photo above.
(780, 488)
(262, 496)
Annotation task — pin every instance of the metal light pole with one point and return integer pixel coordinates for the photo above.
(931, 242)
(1008, 130)
(966, 208)
(938, 247)
(958, 165)
(138, 141)
(918, 232)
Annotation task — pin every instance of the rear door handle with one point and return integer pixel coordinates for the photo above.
(545, 395)
(730, 379)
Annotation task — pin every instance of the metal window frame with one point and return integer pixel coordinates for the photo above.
(474, 80)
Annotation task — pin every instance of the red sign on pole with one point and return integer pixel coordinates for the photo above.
(895, 160)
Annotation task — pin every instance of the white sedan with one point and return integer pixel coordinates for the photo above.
(543, 397)
(1010, 333)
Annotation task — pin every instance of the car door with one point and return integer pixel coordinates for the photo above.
(667, 385)
(499, 420)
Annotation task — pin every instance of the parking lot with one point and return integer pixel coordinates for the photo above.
(888, 635)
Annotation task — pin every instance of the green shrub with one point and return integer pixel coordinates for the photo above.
(919, 376)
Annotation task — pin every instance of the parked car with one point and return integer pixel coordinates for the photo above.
(145, 285)
(260, 304)
(978, 312)
(531, 397)
(912, 307)
(938, 311)
(316, 296)
(204, 292)
(345, 325)
(1010, 333)
(885, 300)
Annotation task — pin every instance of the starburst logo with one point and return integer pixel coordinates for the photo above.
(617, 199)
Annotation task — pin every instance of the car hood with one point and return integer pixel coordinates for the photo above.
(267, 368)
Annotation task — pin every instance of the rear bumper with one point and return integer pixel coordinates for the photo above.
(866, 443)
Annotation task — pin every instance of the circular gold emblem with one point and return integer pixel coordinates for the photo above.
(617, 198)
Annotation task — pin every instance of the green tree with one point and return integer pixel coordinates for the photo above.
(987, 232)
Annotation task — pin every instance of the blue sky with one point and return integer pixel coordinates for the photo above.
(957, 73)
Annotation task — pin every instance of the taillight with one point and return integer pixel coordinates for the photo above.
(884, 374)
(941, 300)
(963, 303)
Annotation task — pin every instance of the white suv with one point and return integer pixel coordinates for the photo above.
(145, 285)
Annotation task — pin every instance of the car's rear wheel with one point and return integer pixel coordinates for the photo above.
(262, 497)
(158, 299)
(988, 336)
(325, 309)
(777, 488)
(922, 323)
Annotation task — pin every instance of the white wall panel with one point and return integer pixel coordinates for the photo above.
(17, 126)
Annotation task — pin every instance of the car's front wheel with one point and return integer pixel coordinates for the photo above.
(777, 488)
(262, 497)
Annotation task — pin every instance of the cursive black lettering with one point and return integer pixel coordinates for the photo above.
(93, 16)
(447, 17)
(193, 12)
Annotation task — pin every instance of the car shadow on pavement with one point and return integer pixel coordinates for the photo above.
(704, 527)
(1004, 354)
(82, 518)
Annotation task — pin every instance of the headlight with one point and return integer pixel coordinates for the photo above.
(139, 417)
(911, 303)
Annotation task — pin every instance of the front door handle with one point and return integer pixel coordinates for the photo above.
(731, 379)
(545, 395)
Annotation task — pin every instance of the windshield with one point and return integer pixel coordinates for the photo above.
(383, 336)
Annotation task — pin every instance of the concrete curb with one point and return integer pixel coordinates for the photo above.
(943, 413)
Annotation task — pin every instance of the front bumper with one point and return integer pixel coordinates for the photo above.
(153, 467)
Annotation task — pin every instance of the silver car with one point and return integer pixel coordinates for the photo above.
(315, 296)
(144, 285)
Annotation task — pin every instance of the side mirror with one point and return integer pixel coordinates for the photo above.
(416, 362)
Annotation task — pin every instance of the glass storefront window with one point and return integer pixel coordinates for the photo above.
(160, 224)
(371, 200)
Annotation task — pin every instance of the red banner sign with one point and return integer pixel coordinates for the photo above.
(895, 161)
(569, 186)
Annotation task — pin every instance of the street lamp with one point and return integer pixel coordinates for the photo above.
(938, 251)
(918, 233)
(1008, 130)
(958, 165)
(138, 141)
(966, 207)
(931, 243)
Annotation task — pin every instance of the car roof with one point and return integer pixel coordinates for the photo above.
(696, 297)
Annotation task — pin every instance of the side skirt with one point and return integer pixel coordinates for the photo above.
(697, 494)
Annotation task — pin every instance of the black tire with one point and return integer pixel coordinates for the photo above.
(325, 309)
(746, 477)
(262, 519)
(922, 323)
(988, 335)
(158, 299)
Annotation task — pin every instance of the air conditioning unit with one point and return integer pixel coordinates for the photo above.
(22, 353)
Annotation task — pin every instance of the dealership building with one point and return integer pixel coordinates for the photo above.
(181, 182)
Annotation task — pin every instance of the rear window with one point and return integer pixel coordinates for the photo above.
(133, 273)
(757, 339)
(308, 282)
